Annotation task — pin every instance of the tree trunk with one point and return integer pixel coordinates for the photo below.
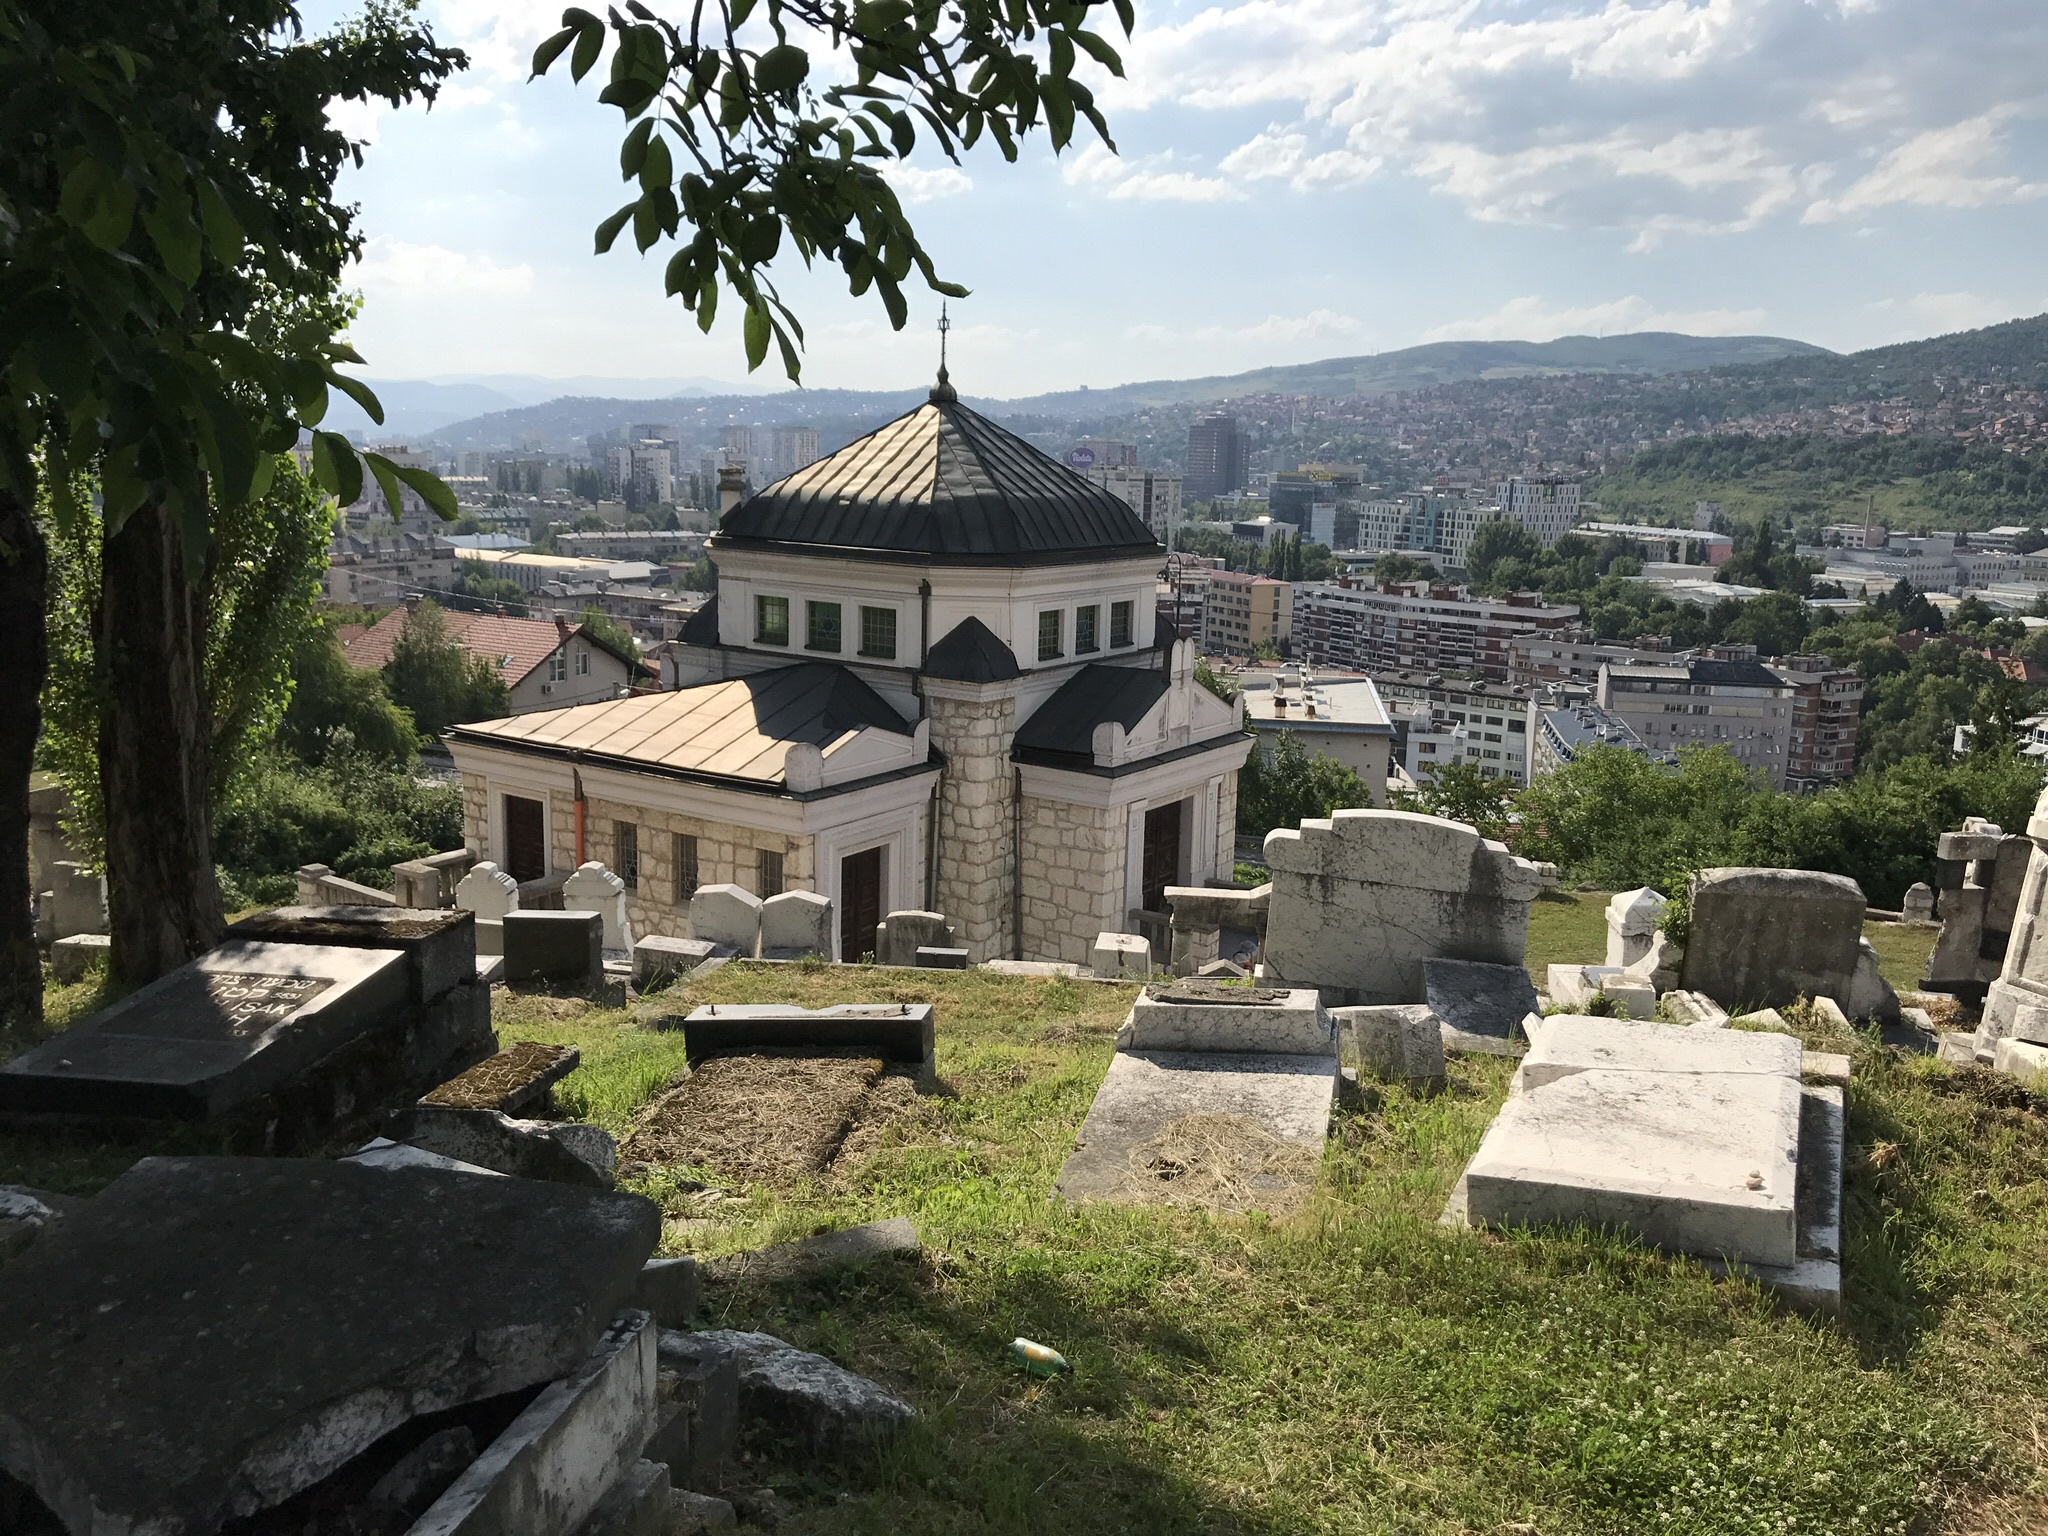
(24, 579)
(163, 903)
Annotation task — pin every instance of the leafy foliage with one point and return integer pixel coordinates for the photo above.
(741, 143)
(438, 682)
(1283, 785)
(600, 625)
(1460, 792)
(338, 709)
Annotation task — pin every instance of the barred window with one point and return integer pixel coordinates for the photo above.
(878, 633)
(1120, 615)
(1051, 634)
(821, 626)
(770, 875)
(626, 850)
(686, 866)
(1086, 624)
(771, 620)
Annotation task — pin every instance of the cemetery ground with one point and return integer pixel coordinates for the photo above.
(1353, 1366)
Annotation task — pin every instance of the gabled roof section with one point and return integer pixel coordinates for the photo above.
(1064, 725)
(513, 646)
(741, 729)
(940, 483)
(971, 653)
(701, 627)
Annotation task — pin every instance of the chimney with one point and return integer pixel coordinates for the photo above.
(732, 487)
(562, 628)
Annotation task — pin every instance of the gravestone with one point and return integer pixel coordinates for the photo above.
(1201, 1016)
(439, 943)
(1471, 998)
(657, 959)
(795, 924)
(900, 935)
(1763, 937)
(1632, 919)
(1360, 900)
(893, 1031)
(1400, 1042)
(728, 915)
(564, 947)
(240, 1021)
(78, 899)
(1124, 954)
(71, 958)
(593, 888)
(490, 893)
(1918, 907)
(941, 957)
(252, 1324)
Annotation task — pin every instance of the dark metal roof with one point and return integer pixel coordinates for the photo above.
(971, 653)
(940, 483)
(1063, 727)
(1734, 674)
(701, 627)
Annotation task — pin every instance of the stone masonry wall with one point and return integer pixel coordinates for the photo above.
(726, 854)
(974, 820)
(1073, 878)
(1226, 827)
(476, 813)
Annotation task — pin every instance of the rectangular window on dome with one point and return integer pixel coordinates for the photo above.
(1120, 624)
(1087, 622)
(821, 626)
(1051, 635)
(878, 633)
(771, 621)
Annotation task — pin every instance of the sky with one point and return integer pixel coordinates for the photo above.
(1293, 180)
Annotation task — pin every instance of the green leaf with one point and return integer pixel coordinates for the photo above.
(97, 203)
(545, 55)
(633, 152)
(431, 490)
(608, 231)
(760, 240)
(589, 44)
(733, 104)
(337, 468)
(1101, 52)
(234, 446)
(386, 475)
(359, 392)
(658, 170)
(175, 235)
(223, 233)
(782, 68)
(741, 10)
(756, 334)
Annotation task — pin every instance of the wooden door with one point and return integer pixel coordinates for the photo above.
(526, 839)
(1162, 854)
(860, 904)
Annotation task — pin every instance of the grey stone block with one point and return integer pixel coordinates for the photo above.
(895, 1238)
(237, 1023)
(636, 1505)
(1763, 937)
(1957, 1048)
(940, 957)
(728, 915)
(490, 969)
(310, 1306)
(516, 1079)
(565, 947)
(1949, 874)
(706, 1386)
(1401, 1042)
(1569, 1043)
(525, 1149)
(1195, 1016)
(555, 1463)
(1967, 847)
(1122, 954)
(1695, 1009)
(669, 1290)
(658, 959)
(826, 1407)
(439, 943)
(691, 1513)
(795, 924)
(1478, 998)
(899, 936)
(2021, 1059)
(71, 958)
(894, 1031)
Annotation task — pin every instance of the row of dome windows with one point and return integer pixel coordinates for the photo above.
(824, 628)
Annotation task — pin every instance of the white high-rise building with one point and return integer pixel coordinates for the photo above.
(1153, 494)
(1546, 505)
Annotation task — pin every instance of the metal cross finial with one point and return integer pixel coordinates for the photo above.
(943, 390)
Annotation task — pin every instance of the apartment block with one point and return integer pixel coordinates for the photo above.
(1416, 626)
(1241, 612)
(1440, 720)
(1726, 698)
(1827, 711)
(1574, 656)
(1153, 494)
(1568, 729)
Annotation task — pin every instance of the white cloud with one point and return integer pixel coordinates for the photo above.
(1939, 313)
(1148, 179)
(1658, 118)
(1531, 318)
(915, 184)
(1316, 325)
(397, 267)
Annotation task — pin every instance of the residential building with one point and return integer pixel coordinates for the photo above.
(1153, 494)
(1414, 625)
(1218, 455)
(536, 572)
(1546, 505)
(1566, 729)
(643, 472)
(615, 544)
(1490, 721)
(1342, 718)
(545, 665)
(789, 450)
(1827, 712)
(1725, 698)
(931, 678)
(376, 571)
(1184, 590)
(1670, 546)
(1242, 612)
(1574, 656)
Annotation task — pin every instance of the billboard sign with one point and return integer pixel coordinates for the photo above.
(1081, 458)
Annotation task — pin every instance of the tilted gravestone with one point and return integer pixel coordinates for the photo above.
(900, 935)
(794, 924)
(1759, 938)
(439, 943)
(729, 915)
(1632, 919)
(1362, 899)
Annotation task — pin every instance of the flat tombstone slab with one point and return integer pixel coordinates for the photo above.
(1762, 937)
(1566, 1043)
(893, 1031)
(1694, 1162)
(1362, 899)
(439, 943)
(1195, 1016)
(657, 958)
(71, 958)
(1476, 998)
(796, 923)
(516, 1078)
(241, 1334)
(941, 957)
(728, 915)
(1148, 1095)
(236, 1023)
(554, 946)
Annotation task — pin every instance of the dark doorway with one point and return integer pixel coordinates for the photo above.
(860, 904)
(526, 839)
(1162, 853)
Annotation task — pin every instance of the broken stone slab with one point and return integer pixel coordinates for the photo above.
(900, 935)
(554, 1464)
(941, 957)
(658, 959)
(727, 915)
(905, 1032)
(669, 1291)
(1632, 919)
(2030, 1022)
(1765, 1019)
(795, 924)
(524, 1149)
(383, 1152)
(1254, 1021)
(1567, 1044)
(71, 958)
(698, 1437)
(1401, 1042)
(1968, 847)
(1473, 997)
(824, 1406)
(1957, 1049)
(1144, 1093)
(1695, 1009)
(691, 1513)
(593, 888)
(490, 968)
(1764, 937)
(1828, 1014)
(237, 1023)
(1123, 954)
(27, 1214)
(561, 947)
(1361, 899)
(1045, 969)
(439, 943)
(520, 1077)
(1660, 964)
(636, 1505)
(2021, 1059)
(1575, 986)
(1869, 995)
(1222, 970)
(1825, 1067)
(1698, 1162)
(895, 1238)
(263, 1288)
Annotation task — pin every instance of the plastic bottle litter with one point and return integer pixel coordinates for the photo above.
(1039, 1359)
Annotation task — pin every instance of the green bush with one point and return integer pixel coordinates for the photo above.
(353, 814)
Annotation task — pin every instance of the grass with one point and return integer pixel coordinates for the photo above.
(1566, 926)
(1355, 1367)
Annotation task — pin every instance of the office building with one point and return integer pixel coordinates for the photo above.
(1153, 494)
(1218, 454)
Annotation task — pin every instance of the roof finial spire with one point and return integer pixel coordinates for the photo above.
(943, 390)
